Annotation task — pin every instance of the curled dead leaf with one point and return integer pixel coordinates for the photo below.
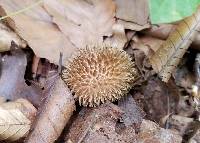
(168, 56)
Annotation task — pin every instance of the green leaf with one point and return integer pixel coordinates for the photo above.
(167, 11)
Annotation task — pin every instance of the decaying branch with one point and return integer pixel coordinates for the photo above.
(54, 115)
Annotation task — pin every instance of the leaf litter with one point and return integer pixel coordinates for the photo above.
(37, 42)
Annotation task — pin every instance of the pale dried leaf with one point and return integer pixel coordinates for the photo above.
(36, 27)
(160, 31)
(166, 59)
(147, 44)
(118, 39)
(7, 36)
(135, 11)
(54, 115)
(133, 26)
(83, 22)
(15, 119)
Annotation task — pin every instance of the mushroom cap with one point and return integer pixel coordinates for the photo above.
(99, 74)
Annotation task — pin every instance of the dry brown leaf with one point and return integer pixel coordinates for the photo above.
(161, 31)
(119, 37)
(130, 34)
(147, 44)
(15, 119)
(166, 59)
(150, 132)
(36, 27)
(7, 36)
(143, 48)
(133, 26)
(83, 22)
(54, 115)
(135, 11)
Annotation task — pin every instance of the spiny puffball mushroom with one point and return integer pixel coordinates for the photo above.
(98, 74)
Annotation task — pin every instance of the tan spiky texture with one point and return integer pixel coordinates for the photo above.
(98, 74)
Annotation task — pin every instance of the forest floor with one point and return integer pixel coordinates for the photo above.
(36, 105)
